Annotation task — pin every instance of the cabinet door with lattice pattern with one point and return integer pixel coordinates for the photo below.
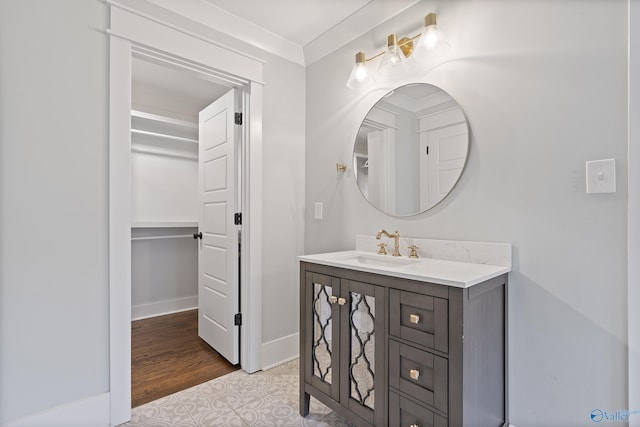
(362, 343)
(322, 367)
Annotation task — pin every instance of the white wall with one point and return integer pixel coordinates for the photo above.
(164, 188)
(53, 211)
(544, 91)
(164, 271)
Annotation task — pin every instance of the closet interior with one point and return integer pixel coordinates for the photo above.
(165, 102)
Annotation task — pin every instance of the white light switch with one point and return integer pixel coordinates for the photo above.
(317, 210)
(601, 176)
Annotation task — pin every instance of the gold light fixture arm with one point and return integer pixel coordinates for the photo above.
(405, 44)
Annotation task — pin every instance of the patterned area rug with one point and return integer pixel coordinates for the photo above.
(266, 398)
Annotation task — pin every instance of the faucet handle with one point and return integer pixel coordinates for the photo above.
(412, 252)
(382, 250)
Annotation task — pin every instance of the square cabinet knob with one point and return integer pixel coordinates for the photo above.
(414, 374)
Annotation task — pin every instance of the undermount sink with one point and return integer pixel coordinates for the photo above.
(379, 260)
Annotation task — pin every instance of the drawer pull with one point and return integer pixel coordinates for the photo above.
(414, 318)
(333, 299)
(414, 425)
(342, 301)
(414, 374)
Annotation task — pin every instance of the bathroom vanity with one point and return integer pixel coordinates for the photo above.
(393, 341)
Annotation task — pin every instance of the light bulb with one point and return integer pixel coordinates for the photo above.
(432, 38)
(393, 59)
(360, 76)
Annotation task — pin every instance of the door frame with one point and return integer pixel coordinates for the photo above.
(131, 30)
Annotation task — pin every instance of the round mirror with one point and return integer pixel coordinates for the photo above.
(410, 149)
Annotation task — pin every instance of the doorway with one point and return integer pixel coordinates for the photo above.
(165, 102)
(165, 105)
(133, 34)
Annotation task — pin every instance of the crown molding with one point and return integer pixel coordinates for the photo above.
(221, 20)
(363, 20)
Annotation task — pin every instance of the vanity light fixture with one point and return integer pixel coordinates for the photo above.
(397, 52)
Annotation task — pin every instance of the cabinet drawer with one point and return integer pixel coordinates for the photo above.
(419, 374)
(421, 319)
(405, 413)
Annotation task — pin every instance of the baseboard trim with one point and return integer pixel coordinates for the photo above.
(160, 308)
(280, 351)
(90, 412)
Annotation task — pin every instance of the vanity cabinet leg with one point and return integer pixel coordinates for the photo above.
(304, 403)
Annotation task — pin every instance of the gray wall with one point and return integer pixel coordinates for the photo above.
(54, 344)
(407, 166)
(633, 234)
(283, 196)
(543, 92)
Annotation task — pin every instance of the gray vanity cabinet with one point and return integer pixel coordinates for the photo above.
(386, 351)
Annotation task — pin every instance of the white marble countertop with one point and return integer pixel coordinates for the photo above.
(446, 262)
(443, 272)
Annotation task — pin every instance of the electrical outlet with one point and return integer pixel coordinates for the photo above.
(317, 211)
(601, 176)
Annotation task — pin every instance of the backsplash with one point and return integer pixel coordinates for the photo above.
(453, 250)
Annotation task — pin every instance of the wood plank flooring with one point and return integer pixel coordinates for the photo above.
(168, 356)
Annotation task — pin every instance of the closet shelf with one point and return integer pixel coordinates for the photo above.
(155, 128)
(163, 237)
(164, 135)
(164, 224)
(163, 119)
(135, 148)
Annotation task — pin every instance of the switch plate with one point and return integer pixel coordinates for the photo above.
(601, 176)
(317, 211)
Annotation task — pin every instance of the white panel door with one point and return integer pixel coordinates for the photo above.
(218, 278)
(443, 152)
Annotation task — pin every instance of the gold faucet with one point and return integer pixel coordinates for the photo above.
(396, 238)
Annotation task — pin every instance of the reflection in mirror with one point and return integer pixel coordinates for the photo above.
(410, 149)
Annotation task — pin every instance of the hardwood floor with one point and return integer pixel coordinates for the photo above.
(168, 356)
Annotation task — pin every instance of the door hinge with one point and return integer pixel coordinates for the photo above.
(237, 319)
(237, 219)
(238, 118)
